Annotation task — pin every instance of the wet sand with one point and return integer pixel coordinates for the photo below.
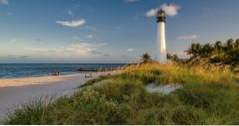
(15, 92)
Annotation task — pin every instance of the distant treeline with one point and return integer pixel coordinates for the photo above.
(220, 53)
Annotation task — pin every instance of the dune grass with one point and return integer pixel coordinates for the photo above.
(208, 96)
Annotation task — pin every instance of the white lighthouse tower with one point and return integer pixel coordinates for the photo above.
(161, 40)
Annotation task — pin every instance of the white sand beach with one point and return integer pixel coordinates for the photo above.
(15, 92)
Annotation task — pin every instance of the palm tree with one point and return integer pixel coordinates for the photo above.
(220, 53)
(206, 50)
(198, 49)
(229, 44)
(194, 50)
(218, 45)
(191, 51)
(236, 45)
(173, 57)
(146, 58)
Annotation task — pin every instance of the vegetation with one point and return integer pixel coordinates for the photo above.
(146, 58)
(208, 96)
(218, 53)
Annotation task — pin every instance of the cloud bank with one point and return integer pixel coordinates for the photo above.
(132, 1)
(170, 10)
(90, 36)
(187, 37)
(152, 12)
(130, 49)
(73, 23)
(4, 2)
(78, 49)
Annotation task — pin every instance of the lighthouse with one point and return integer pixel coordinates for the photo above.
(161, 36)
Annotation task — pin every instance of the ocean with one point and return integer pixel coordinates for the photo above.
(35, 70)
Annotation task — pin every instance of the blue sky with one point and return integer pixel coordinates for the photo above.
(101, 31)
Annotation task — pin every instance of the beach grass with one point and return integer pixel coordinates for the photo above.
(209, 96)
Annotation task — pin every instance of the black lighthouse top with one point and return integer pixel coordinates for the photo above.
(161, 16)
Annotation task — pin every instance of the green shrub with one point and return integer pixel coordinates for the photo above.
(185, 115)
(153, 116)
(32, 113)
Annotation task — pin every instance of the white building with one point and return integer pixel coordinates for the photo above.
(161, 40)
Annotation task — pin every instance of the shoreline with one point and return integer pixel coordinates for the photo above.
(31, 80)
(39, 75)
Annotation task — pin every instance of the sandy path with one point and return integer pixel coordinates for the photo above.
(15, 92)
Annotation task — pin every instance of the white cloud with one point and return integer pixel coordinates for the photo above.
(170, 10)
(75, 50)
(187, 37)
(132, 1)
(152, 12)
(130, 49)
(90, 36)
(4, 2)
(73, 23)
(82, 49)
